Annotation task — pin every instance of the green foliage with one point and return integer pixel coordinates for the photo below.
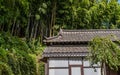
(16, 56)
(5, 69)
(88, 14)
(41, 69)
(103, 50)
(12, 43)
(33, 18)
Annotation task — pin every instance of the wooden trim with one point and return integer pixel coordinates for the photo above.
(58, 67)
(70, 66)
(82, 66)
(48, 66)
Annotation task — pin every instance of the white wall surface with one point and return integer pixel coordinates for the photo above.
(62, 65)
(58, 72)
(91, 71)
(58, 62)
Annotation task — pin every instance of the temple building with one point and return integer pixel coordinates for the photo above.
(67, 52)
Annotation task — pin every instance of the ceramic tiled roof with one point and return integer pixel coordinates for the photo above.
(82, 35)
(75, 36)
(71, 50)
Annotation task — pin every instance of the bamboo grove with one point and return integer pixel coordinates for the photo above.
(38, 18)
(24, 23)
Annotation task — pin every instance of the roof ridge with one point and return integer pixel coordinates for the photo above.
(86, 30)
(82, 35)
(56, 36)
(49, 38)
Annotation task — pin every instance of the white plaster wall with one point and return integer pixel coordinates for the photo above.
(65, 62)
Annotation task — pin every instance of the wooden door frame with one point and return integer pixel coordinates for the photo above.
(81, 66)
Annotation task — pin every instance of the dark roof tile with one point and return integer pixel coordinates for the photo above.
(52, 51)
(75, 36)
(82, 35)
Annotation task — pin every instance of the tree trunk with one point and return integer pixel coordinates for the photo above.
(3, 27)
(104, 68)
(16, 29)
(13, 27)
(36, 29)
(0, 27)
(27, 29)
(54, 17)
(102, 73)
(32, 32)
(50, 27)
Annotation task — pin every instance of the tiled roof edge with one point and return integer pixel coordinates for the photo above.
(89, 30)
(53, 37)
